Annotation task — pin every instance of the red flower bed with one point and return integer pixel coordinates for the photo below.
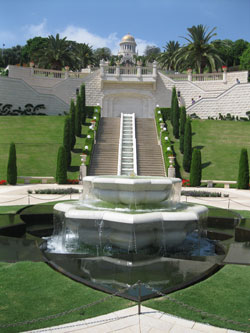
(3, 182)
(185, 182)
(73, 181)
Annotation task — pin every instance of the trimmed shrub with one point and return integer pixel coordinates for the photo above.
(187, 155)
(72, 124)
(67, 139)
(183, 117)
(182, 143)
(195, 169)
(12, 167)
(78, 117)
(92, 110)
(83, 103)
(243, 175)
(61, 169)
(172, 104)
(176, 118)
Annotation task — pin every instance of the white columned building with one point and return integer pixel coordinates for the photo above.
(127, 49)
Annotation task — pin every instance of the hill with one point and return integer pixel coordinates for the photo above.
(220, 143)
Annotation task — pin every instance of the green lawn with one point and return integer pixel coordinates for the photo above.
(225, 294)
(37, 140)
(220, 143)
(31, 290)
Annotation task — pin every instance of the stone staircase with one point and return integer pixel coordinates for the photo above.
(149, 156)
(105, 155)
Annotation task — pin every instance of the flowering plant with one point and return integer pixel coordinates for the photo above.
(3, 182)
(185, 182)
(73, 181)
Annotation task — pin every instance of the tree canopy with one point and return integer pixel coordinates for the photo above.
(199, 53)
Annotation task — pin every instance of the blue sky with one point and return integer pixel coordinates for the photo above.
(102, 23)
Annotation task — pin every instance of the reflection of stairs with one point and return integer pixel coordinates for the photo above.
(149, 156)
(105, 156)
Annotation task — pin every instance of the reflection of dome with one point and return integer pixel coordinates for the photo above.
(128, 38)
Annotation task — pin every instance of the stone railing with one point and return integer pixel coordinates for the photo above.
(32, 72)
(223, 77)
(207, 77)
(38, 72)
(196, 77)
(136, 71)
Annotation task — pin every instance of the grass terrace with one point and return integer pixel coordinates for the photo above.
(220, 143)
(37, 140)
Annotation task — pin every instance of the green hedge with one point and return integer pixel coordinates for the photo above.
(91, 110)
(165, 141)
(94, 112)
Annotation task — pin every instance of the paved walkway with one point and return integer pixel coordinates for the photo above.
(128, 320)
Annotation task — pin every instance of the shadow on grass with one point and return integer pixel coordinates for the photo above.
(77, 150)
(73, 168)
(205, 165)
(198, 147)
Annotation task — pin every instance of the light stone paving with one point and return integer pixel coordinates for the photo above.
(128, 320)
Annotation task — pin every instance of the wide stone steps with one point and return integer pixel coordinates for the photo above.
(149, 156)
(105, 155)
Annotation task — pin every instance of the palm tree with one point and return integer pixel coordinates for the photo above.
(85, 55)
(199, 53)
(56, 54)
(167, 58)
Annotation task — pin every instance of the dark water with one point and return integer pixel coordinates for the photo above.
(21, 239)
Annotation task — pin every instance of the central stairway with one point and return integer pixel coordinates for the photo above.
(106, 150)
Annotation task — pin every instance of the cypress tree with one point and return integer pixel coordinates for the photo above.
(176, 118)
(172, 105)
(78, 117)
(243, 175)
(61, 168)
(183, 116)
(195, 170)
(182, 143)
(12, 168)
(67, 140)
(83, 102)
(187, 155)
(72, 123)
(182, 127)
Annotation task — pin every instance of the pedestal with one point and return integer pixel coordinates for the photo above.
(171, 172)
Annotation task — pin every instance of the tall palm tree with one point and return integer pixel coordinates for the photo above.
(85, 55)
(56, 54)
(167, 58)
(199, 52)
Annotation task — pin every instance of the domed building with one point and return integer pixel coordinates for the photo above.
(128, 49)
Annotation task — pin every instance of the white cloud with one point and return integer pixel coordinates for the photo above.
(141, 45)
(82, 35)
(34, 30)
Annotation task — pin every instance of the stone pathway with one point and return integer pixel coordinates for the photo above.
(128, 321)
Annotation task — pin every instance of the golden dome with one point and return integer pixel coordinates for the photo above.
(128, 38)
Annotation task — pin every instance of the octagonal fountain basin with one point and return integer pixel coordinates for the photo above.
(134, 190)
(127, 231)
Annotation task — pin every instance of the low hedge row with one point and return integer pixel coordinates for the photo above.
(161, 115)
(55, 191)
(95, 112)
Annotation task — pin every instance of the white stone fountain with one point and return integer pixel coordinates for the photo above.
(128, 214)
